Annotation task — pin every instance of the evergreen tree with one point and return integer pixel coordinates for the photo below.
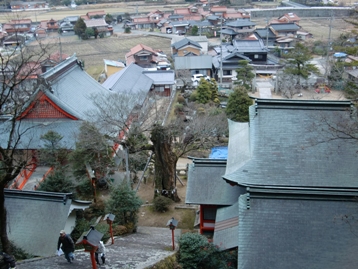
(244, 74)
(298, 62)
(124, 204)
(214, 91)
(204, 92)
(52, 154)
(80, 27)
(108, 18)
(57, 182)
(238, 105)
(194, 30)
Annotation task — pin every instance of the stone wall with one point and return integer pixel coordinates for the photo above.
(302, 12)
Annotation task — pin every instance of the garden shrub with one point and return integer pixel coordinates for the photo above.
(195, 252)
(181, 99)
(124, 204)
(161, 203)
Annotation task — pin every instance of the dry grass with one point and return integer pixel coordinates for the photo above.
(93, 51)
(58, 13)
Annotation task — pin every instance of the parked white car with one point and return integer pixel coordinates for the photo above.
(197, 77)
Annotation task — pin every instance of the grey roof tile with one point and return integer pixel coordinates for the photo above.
(297, 233)
(240, 23)
(226, 227)
(193, 62)
(290, 146)
(161, 77)
(185, 42)
(35, 219)
(285, 26)
(129, 80)
(205, 185)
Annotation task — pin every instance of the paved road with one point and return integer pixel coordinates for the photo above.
(139, 250)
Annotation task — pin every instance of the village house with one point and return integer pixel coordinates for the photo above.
(137, 81)
(287, 18)
(145, 57)
(99, 24)
(99, 14)
(17, 26)
(111, 67)
(30, 5)
(147, 21)
(284, 29)
(186, 47)
(238, 29)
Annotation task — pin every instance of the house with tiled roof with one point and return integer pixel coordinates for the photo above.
(143, 56)
(286, 18)
(267, 35)
(28, 5)
(201, 40)
(238, 29)
(17, 26)
(190, 13)
(49, 25)
(137, 81)
(98, 14)
(99, 24)
(194, 64)
(185, 47)
(284, 29)
(147, 21)
(297, 187)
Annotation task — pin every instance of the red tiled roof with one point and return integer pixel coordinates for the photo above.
(22, 21)
(139, 48)
(218, 9)
(94, 13)
(56, 56)
(96, 23)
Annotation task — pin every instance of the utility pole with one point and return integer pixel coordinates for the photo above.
(59, 41)
(267, 32)
(221, 52)
(328, 46)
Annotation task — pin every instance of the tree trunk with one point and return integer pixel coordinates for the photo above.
(164, 164)
(3, 223)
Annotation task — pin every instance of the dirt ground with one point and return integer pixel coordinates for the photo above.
(148, 217)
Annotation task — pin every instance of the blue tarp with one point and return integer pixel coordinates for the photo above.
(218, 153)
(339, 55)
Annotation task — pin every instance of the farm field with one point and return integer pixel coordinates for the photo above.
(93, 51)
(59, 13)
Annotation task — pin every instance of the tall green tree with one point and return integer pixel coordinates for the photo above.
(297, 62)
(108, 18)
(93, 148)
(214, 91)
(194, 30)
(237, 108)
(204, 92)
(80, 27)
(53, 153)
(245, 74)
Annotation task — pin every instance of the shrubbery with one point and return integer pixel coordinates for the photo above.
(161, 203)
(195, 252)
